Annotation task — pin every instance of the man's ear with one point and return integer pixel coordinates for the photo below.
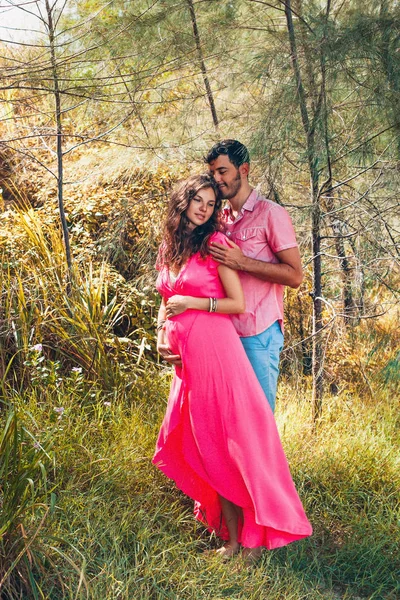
(244, 170)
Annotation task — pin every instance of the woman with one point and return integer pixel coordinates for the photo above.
(218, 440)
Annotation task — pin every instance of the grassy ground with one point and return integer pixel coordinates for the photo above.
(117, 529)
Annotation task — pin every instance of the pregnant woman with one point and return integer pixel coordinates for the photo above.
(218, 440)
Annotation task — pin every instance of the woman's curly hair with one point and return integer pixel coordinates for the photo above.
(180, 241)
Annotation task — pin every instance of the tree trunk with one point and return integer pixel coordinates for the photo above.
(359, 279)
(345, 269)
(335, 224)
(60, 182)
(387, 52)
(202, 63)
(309, 130)
(306, 355)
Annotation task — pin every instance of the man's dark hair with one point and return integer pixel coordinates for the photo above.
(234, 150)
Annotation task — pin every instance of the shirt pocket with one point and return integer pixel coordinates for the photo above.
(245, 234)
(249, 240)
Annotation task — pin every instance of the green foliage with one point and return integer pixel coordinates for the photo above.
(27, 504)
(104, 315)
(137, 534)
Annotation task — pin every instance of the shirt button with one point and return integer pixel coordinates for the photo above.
(228, 233)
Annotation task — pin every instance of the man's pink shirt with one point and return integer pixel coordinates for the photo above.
(261, 229)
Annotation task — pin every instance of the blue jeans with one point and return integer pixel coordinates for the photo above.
(263, 352)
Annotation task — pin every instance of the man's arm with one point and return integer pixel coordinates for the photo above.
(287, 272)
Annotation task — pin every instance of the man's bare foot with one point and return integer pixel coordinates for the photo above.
(251, 556)
(228, 550)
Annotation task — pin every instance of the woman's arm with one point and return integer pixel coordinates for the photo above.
(233, 303)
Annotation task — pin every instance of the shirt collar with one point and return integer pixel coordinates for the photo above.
(248, 205)
(250, 202)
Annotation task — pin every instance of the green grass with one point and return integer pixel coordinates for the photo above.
(129, 534)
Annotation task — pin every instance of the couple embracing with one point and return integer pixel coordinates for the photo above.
(220, 276)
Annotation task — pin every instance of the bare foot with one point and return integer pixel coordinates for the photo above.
(251, 556)
(228, 550)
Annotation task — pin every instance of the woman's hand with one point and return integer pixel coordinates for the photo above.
(164, 351)
(176, 305)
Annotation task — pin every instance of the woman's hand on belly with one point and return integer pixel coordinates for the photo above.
(176, 305)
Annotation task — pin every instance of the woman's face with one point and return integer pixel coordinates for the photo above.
(201, 207)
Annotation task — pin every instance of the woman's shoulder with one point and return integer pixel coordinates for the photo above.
(218, 237)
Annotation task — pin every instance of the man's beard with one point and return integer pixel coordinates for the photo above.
(230, 191)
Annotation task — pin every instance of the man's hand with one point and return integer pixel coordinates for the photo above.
(232, 257)
(287, 271)
(176, 305)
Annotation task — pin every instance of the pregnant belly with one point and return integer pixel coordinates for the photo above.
(204, 326)
(178, 328)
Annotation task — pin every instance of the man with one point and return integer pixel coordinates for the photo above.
(264, 250)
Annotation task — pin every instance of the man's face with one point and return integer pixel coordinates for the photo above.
(227, 176)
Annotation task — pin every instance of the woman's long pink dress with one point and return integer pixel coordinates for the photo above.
(219, 434)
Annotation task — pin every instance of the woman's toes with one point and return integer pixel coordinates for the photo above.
(228, 551)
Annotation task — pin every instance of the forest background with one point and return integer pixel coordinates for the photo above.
(104, 106)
